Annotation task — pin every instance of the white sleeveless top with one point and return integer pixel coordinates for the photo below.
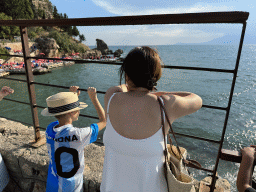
(132, 165)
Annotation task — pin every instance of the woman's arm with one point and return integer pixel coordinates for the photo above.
(244, 177)
(180, 104)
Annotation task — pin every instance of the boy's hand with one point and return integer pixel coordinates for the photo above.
(6, 91)
(92, 92)
(75, 89)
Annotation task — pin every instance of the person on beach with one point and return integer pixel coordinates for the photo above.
(244, 177)
(66, 143)
(133, 138)
(4, 176)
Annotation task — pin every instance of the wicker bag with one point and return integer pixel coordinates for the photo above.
(177, 176)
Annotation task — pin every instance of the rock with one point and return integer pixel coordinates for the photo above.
(221, 184)
(118, 52)
(48, 46)
(102, 46)
(91, 53)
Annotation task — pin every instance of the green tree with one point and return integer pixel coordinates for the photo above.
(40, 12)
(8, 31)
(29, 12)
(55, 12)
(69, 30)
(65, 27)
(75, 31)
(4, 51)
(17, 9)
(44, 27)
(81, 38)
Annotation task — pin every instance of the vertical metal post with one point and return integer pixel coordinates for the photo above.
(30, 79)
(228, 108)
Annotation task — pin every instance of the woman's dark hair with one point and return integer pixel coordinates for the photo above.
(143, 67)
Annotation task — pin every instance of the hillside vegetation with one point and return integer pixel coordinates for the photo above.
(40, 9)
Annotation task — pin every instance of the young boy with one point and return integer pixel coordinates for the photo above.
(66, 143)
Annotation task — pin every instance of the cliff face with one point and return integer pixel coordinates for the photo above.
(44, 5)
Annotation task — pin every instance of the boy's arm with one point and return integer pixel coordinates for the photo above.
(100, 111)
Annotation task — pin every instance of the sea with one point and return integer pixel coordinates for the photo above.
(213, 87)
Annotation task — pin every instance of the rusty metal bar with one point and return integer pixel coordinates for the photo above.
(185, 18)
(229, 106)
(16, 101)
(12, 55)
(30, 78)
(213, 17)
(13, 79)
(120, 63)
(199, 69)
(233, 156)
(198, 138)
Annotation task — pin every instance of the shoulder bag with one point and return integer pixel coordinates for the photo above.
(177, 177)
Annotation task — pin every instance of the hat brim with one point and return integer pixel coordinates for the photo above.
(45, 112)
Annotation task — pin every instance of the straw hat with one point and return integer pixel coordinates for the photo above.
(62, 103)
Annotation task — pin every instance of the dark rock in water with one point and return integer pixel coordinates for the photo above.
(102, 46)
(118, 52)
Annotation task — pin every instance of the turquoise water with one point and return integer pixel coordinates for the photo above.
(213, 87)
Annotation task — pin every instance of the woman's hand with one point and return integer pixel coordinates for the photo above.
(92, 92)
(75, 89)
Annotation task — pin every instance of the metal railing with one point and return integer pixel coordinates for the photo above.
(188, 18)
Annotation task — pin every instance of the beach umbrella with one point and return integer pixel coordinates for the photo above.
(77, 53)
(41, 53)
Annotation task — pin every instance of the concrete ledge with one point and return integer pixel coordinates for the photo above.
(28, 166)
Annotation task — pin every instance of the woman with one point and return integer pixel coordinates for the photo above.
(133, 138)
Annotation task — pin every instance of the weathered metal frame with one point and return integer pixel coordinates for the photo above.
(189, 18)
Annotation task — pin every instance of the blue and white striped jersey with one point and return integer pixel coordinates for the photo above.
(65, 146)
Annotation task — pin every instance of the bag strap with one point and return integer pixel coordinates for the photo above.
(165, 148)
(163, 130)
(162, 107)
(189, 163)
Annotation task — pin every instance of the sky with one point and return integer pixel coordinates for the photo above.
(160, 34)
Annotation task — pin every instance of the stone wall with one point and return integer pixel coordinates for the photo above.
(28, 166)
(15, 46)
